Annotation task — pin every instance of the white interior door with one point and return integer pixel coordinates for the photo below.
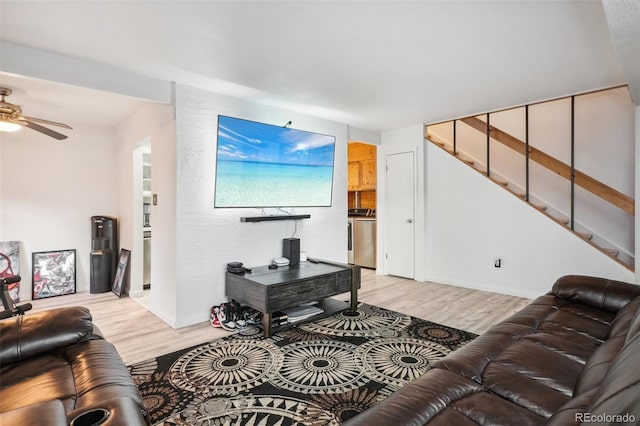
(400, 244)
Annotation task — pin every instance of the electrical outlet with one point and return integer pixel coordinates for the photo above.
(497, 262)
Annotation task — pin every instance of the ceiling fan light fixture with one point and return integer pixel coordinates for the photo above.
(11, 119)
(9, 126)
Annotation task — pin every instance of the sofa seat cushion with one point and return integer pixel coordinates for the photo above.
(525, 363)
(48, 413)
(451, 400)
(37, 380)
(523, 372)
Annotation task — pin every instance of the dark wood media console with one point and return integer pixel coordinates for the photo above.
(270, 290)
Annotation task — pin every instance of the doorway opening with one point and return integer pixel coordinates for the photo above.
(146, 220)
(362, 202)
(140, 272)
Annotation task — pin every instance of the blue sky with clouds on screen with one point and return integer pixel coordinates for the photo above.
(243, 140)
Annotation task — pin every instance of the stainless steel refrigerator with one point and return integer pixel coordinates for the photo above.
(350, 242)
(364, 242)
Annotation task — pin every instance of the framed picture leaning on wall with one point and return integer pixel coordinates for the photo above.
(10, 266)
(122, 272)
(53, 273)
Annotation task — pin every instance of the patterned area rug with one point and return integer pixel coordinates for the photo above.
(319, 373)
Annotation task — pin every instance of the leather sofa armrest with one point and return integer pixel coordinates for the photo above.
(36, 333)
(598, 292)
(49, 413)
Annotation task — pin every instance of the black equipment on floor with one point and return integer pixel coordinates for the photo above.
(10, 308)
(104, 253)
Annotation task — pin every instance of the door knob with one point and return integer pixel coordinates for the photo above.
(409, 220)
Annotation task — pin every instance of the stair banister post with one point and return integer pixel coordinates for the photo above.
(573, 166)
(488, 145)
(455, 149)
(526, 151)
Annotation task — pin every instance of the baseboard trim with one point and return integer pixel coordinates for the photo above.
(528, 294)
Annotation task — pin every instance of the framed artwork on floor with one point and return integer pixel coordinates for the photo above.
(54, 273)
(10, 266)
(122, 272)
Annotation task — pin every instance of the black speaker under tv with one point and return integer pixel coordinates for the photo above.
(291, 250)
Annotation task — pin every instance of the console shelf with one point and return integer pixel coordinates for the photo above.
(269, 290)
(279, 217)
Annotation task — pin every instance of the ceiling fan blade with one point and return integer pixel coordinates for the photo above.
(43, 121)
(42, 129)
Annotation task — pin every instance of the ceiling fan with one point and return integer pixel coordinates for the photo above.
(11, 119)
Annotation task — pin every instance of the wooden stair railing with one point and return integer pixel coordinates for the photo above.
(592, 185)
(520, 146)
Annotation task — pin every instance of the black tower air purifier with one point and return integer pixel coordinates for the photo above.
(291, 250)
(104, 253)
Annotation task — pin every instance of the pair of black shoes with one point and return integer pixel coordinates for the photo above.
(226, 316)
(232, 316)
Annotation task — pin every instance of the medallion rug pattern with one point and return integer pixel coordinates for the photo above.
(318, 373)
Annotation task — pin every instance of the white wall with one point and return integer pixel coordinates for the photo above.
(50, 189)
(207, 238)
(365, 136)
(471, 220)
(153, 124)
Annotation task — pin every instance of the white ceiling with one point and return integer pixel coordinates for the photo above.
(371, 64)
(67, 104)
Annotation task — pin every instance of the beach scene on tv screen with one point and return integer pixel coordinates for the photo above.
(261, 165)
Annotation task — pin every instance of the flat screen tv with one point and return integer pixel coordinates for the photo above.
(262, 165)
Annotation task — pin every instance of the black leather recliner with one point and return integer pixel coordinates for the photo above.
(56, 367)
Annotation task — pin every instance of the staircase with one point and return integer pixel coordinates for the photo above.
(454, 137)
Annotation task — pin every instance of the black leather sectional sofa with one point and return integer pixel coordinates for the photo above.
(570, 357)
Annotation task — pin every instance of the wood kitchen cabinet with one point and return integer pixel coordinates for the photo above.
(354, 169)
(368, 175)
(361, 167)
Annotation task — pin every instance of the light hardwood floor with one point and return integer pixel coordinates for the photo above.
(139, 335)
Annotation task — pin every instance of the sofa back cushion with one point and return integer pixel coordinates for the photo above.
(37, 333)
(619, 392)
(633, 329)
(625, 324)
(600, 293)
(598, 365)
(625, 317)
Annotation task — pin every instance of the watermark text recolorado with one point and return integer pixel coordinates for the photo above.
(605, 418)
